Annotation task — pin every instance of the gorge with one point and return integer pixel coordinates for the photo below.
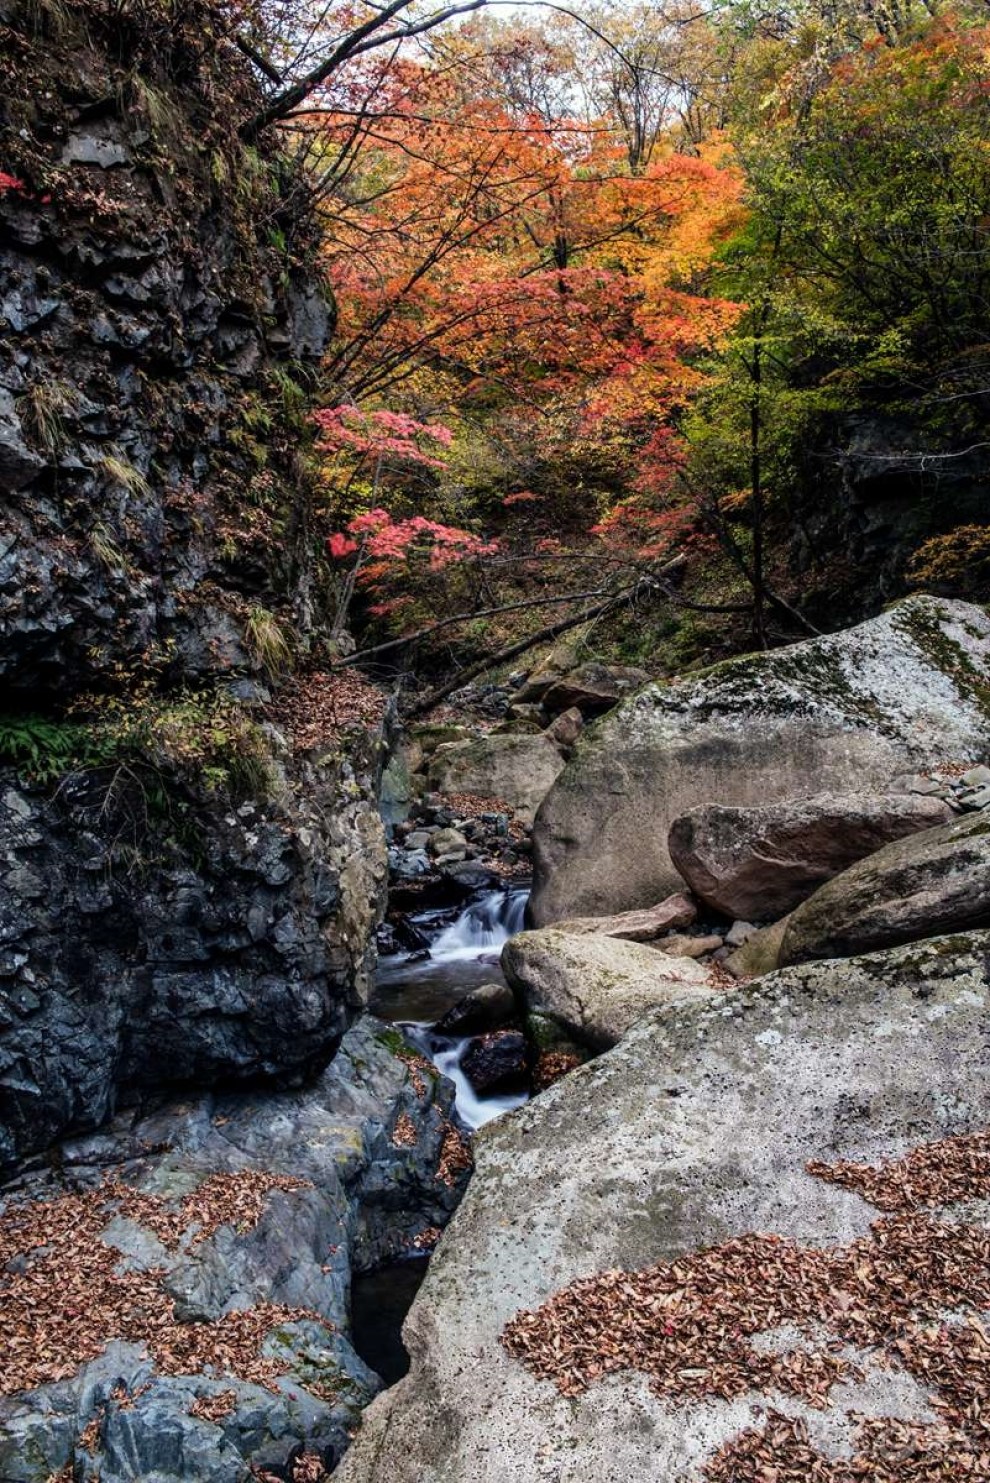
(494, 745)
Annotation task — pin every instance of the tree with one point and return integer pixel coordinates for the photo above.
(864, 265)
(302, 47)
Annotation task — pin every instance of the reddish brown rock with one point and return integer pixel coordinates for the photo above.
(594, 688)
(759, 863)
(638, 926)
(568, 726)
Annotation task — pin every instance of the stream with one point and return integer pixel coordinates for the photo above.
(414, 992)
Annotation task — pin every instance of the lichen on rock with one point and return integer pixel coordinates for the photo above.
(842, 713)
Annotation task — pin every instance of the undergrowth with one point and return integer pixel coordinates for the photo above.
(197, 739)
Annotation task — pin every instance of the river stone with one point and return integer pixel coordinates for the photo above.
(370, 1194)
(446, 842)
(695, 1129)
(520, 770)
(487, 1007)
(638, 926)
(496, 1062)
(934, 882)
(899, 693)
(593, 688)
(596, 987)
(681, 946)
(759, 863)
(760, 953)
(568, 726)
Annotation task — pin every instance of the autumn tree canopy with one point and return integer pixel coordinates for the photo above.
(612, 280)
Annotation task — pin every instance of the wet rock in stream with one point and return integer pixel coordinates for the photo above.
(497, 1062)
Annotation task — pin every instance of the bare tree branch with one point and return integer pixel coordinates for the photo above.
(362, 39)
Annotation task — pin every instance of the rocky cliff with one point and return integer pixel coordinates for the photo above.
(159, 308)
(189, 882)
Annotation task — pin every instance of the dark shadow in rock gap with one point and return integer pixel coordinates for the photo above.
(379, 1303)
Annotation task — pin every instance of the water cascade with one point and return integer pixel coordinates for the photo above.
(415, 992)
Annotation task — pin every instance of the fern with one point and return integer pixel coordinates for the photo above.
(45, 750)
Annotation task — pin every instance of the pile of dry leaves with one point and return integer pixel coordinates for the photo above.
(455, 1156)
(552, 1066)
(221, 1200)
(64, 1297)
(688, 1325)
(319, 707)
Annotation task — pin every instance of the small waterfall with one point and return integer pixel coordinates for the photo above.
(445, 1052)
(414, 992)
(484, 926)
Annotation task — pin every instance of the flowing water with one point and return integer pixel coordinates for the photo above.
(464, 953)
(414, 993)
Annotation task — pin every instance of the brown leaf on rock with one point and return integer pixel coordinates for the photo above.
(309, 1468)
(552, 1066)
(419, 1069)
(215, 1408)
(64, 1297)
(689, 1324)
(404, 1133)
(455, 1156)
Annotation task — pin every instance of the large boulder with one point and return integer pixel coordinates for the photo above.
(759, 863)
(594, 987)
(519, 770)
(695, 1133)
(845, 713)
(178, 1290)
(931, 883)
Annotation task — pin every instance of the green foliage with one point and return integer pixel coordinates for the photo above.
(863, 264)
(198, 741)
(295, 399)
(869, 212)
(45, 750)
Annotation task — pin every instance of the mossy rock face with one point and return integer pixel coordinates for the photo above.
(155, 353)
(518, 769)
(843, 713)
(932, 883)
